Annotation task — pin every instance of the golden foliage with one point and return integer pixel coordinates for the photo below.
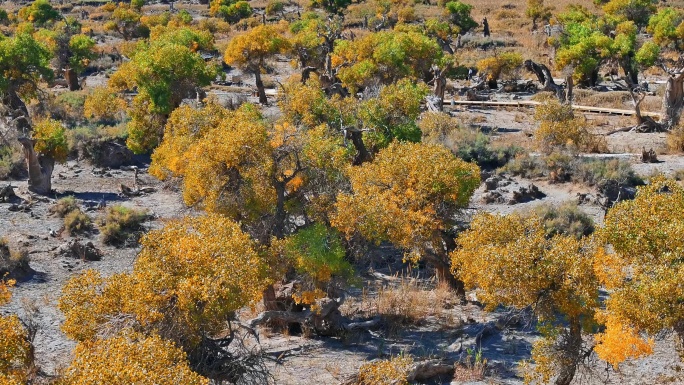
(184, 126)
(50, 139)
(393, 371)
(16, 352)
(503, 64)
(103, 104)
(406, 194)
(560, 128)
(188, 279)
(645, 273)
(130, 359)
(511, 261)
(249, 50)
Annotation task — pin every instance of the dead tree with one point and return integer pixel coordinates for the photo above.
(545, 78)
(643, 123)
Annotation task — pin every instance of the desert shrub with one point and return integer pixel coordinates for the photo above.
(68, 106)
(507, 14)
(675, 139)
(566, 219)
(559, 128)
(410, 302)
(274, 7)
(599, 171)
(77, 222)
(467, 144)
(505, 64)
(12, 164)
(14, 263)
(564, 167)
(122, 225)
(64, 206)
(103, 105)
(393, 371)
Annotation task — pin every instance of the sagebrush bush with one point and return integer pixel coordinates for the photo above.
(566, 219)
(77, 222)
(64, 206)
(122, 225)
(561, 167)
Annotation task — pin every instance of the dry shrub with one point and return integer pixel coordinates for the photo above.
(472, 368)
(566, 219)
(14, 263)
(675, 139)
(560, 129)
(64, 206)
(409, 301)
(507, 14)
(77, 222)
(611, 99)
(394, 371)
(122, 225)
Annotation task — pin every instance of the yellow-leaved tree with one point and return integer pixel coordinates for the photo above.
(511, 261)
(16, 350)
(189, 279)
(409, 196)
(250, 50)
(130, 358)
(233, 164)
(645, 271)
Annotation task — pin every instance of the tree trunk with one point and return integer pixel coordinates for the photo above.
(443, 273)
(280, 214)
(362, 154)
(545, 78)
(568, 90)
(39, 167)
(72, 79)
(571, 352)
(440, 85)
(673, 100)
(260, 87)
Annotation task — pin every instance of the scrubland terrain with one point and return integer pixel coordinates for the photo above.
(178, 200)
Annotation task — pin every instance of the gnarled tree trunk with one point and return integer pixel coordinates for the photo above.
(260, 87)
(571, 353)
(673, 100)
(545, 78)
(40, 168)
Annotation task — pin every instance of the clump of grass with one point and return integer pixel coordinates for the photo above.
(122, 225)
(561, 167)
(64, 206)
(566, 219)
(472, 368)
(77, 222)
